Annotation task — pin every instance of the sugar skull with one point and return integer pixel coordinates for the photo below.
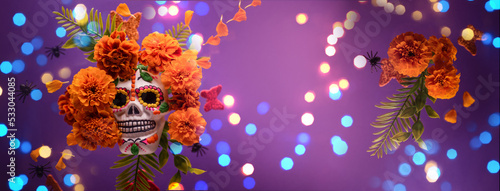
(141, 128)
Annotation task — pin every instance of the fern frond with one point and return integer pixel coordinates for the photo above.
(180, 32)
(134, 173)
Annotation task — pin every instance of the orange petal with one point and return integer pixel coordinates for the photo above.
(54, 85)
(254, 3)
(468, 100)
(71, 139)
(221, 28)
(241, 15)
(451, 116)
(123, 10)
(187, 17)
(35, 154)
(204, 62)
(213, 40)
(60, 165)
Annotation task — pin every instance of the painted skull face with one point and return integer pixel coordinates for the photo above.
(139, 126)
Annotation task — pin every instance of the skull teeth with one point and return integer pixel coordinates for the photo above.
(135, 126)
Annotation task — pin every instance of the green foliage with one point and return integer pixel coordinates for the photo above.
(133, 173)
(180, 32)
(164, 107)
(430, 112)
(145, 76)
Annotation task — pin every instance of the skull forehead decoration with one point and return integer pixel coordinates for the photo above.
(141, 128)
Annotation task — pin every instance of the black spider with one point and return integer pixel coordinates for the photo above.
(25, 90)
(374, 60)
(39, 170)
(198, 149)
(54, 51)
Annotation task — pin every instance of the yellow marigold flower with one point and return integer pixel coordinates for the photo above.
(409, 54)
(159, 50)
(116, 55)
(442, 81)
(94, 128)
(183, 125)
(183, 73)
(92, 87)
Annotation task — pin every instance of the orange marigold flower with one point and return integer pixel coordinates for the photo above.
(92, 87)
(116, 55)
(442, 81)
(442, 46)
(183, 125)
(159, 50)
(181, 101)
(94, 128)
(66, 107)
(183, 73)
(409, 54)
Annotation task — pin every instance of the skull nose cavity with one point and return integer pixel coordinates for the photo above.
(133, 110)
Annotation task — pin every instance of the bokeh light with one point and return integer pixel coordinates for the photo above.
(301, 18)
(348, 24)
(451, 154)
(330, 51)
(249, 183)
(388, 185)
(18, 66)
(496, 42)
(228, 100)
(158, 27)
(309, 97)
(389, 8)
(223, 148)
(485, 137)
(201, 185)
(206, 139)
(428, 165)
(67, 180)
(79, 187)
(343, 84)
(41, 59)
(335, 96)
(409, 150)
(176, 148)
(324, 67)
(400, 9)
(443, 6)
(432, 146)
(175, 186)
(494, 119)
(148, 12)
(331, 39)
(27, 48)
(3, 130)
(36, 94)
(201, 8)
(6, 67)
(475, 143)
(359, 61)
(24, 178)
(216, 124)
(445, 186)
(381, 3)
(19, 19)
(300, 149)
(487, 38)
(1, 91)
(250, 129)
(334, 139)
(16, 184)
(45, 151)
(419, 158)
(17, 143)
(416, 15)
(173, 10)
(224, 160)
(446, 31)
(67, 154)
(399, 187)
(46, 77)
(65, 73)
(161, 2)
(433, 174)
(303, 138)
(80, 11)
(338, 32)
(42, 188)
(162, 10)
(263, 108)
(493, 166)
(234, 118)
(286, 163)
(339, 146)
(26, 147)
(467, 34)
(346, 121)
(60, 32)
(307, 119)
(247, 169)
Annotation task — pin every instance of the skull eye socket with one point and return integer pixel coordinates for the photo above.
(121, 98)
(150, 96)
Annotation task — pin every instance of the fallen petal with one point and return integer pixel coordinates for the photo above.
(213, 40)
(468, 99)
(35, 154)
(60, 165)
(241, 15)
(187, 17)
(54, 85)
(123, 10)
(254, 3)
(204, 62)
(221, 28)
(451, 116)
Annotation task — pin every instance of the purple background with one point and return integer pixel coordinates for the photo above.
(271, 58)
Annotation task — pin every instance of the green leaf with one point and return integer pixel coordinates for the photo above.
(196, 171)
(164, 107)
(146, 77)
(181, 163)
(421, 144)
(134, 149)
(430, 112)
(163, 158)
(417, 129)
(420, 101)
(408, 112)
(91, 59)
(142, 67)
(176, 178)
(70, 43)
(401, 136)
